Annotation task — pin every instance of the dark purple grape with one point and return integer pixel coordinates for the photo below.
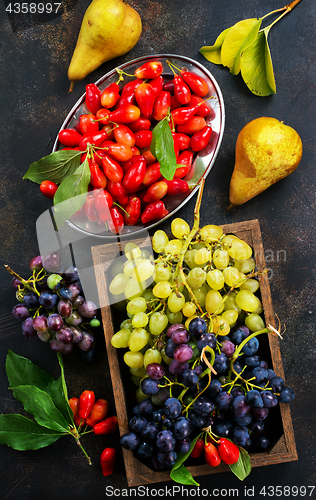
(237, 391)
(264, 364)
(167, 459)
(198, 369)
(228, 348)
(197, 327)
(180, 336)
(30, 300)
(261, 374)
(36, 263)
(74, 319)
(271, 374)
(42, 284)
(77, 301)
(286, 395)
(196, 420)
(173, 328)
(176, 368)
(65, 293)
(252, 361)
(223, 428)
(57, 345)
(21, 312)
(137, 423)
(52, 262)
(77, 335)
(40, 324)
(238, 366)
(240, 435)
(65, 335)
(189, 378)
(206, 339)
(70, 275)
(259, 413)
(169, 348)
(75, 289)
(130, 441)
(254, 399)
(240, 406)
(214, 388)
(55, 322)
(64, 308)
(157, 416)
(156, 464)
(183, 353)
(155, 371)
(183, 445)
(48, 300)
(182, 428)
(269, 399)
(256, 426)
(15, 283)
(88, 309)
(203, 406)
(261, 443)
(87, 342)
(277, 384)
(224, 401)
(238, 335)
(167, 423)
(161, 396)
(27, 328)
(251, 347)
(146, 450)
(221, 363)
(245, 420)
(149, 386)
(146, 408)
(165, 441)
(150, 431)
(172, 408)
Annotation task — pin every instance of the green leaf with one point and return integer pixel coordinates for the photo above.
(39, 404)
(242, 468)
(179, 472)
(183, 476)
(162, 147)
(71, 194)
(21, 371)
(54, 167)
(21, 433)
(213, 52)
(238, 39)
(64, 390)
(256, 66)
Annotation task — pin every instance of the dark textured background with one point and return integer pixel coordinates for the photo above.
(35, 53)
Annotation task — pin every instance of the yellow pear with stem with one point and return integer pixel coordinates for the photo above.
(267, 150)
(109, 29)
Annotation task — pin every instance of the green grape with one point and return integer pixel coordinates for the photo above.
(232, 276)
(166, 358)
(176, 280)
(230, 302)
(239, 250)
(247, 301)
(189, 258)
(117, 267)
(189, 309)
(143, 270)
(213, 302)
(159, 241)
(200, 295)
(148, 294)
(135, 380)
(118, 284)
(136, 305)
(259, 309)
(152, 356)
(158, 322)
(127, 323)
(162, 290)
(202, 256)
(145, 254)
(129, 268)
(134, 288)
(121, 338)
(139, 395)
(138, 339)
(230, 315)
(254, 322)
(196, 278)
(188, 399)
(140, 320)
(220, 258)
(251, 284)
(158, 399)
(138, 372)
(196, 352)
(211, 233)
(174, 317)
(180, 228)
(245, 266)
(174, 247)
(134, 359)
(176, 301)
(220, 326)
(215, 279)
(162, 272)
(132, 251)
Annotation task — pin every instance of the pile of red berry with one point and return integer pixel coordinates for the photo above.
(126, 185)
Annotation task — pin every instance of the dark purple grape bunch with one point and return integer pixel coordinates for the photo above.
(52, 306)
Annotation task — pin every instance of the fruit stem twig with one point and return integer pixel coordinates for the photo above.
(286, 9)
(24, 282)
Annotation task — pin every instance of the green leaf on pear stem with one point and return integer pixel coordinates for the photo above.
(21, 433)
(238, 39)
(213, 52)
(256, 66)
(55, 167)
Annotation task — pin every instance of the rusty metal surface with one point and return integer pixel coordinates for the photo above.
(34, 102)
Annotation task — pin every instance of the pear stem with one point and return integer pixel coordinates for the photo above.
(71, 87)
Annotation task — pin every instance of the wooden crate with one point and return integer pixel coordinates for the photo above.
(283, 448)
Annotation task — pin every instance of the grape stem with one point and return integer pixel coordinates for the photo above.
(23, 281)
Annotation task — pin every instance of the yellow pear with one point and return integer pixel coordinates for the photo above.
(109, 29)
(266, 151)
